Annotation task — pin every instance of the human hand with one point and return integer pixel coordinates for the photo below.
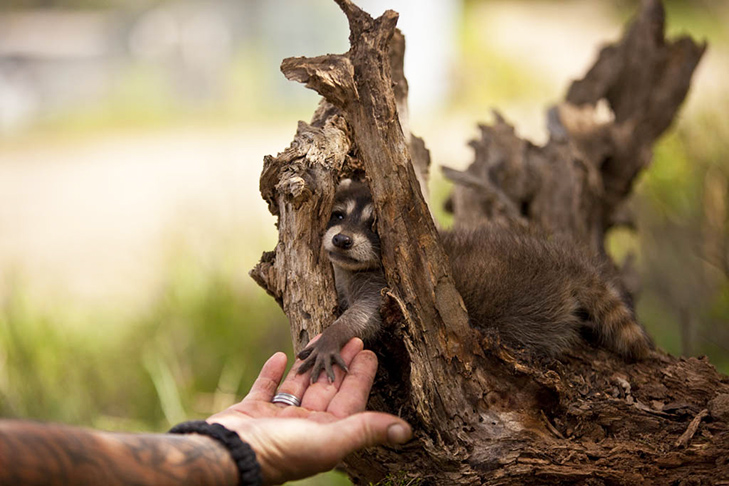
(295, 442)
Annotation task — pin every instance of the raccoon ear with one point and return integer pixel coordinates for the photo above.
(345, 183)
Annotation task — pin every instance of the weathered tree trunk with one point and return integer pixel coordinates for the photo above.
(483, 414)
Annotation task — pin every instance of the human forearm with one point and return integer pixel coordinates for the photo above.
(289, 442)
(32, 453)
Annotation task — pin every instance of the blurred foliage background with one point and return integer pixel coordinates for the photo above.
(131, 139)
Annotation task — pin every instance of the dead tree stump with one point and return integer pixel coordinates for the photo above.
(482, 413)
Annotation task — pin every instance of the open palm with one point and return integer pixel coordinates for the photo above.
(295, 442)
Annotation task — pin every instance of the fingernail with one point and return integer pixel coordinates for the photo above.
(398, 433)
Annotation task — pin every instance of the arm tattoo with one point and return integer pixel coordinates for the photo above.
(39, 454)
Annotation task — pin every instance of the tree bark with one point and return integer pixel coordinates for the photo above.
(482, 413)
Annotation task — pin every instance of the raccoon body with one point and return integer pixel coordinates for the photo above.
(539, 294)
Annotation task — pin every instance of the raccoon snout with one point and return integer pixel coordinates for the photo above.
(342, 241)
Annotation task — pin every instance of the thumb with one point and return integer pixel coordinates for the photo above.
(370, 428)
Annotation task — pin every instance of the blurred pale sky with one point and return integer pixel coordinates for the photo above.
(126, 136)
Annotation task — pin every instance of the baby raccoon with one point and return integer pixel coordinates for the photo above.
(353, 247)
(535, 292)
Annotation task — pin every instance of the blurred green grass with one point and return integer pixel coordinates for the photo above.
(196, 350)
(680, 246)
(198, 346)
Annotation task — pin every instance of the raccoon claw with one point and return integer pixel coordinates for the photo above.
(340, 362)
(304, 353)
(327, 366)
(305, 366)
(318, 358)
(322, 362)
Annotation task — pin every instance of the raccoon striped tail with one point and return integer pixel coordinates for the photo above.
(614, 322)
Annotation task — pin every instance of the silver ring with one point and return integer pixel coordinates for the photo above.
(286, 399)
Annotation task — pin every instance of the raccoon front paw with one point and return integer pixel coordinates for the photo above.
(321, 356)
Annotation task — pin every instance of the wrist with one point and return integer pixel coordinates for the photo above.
(241, 453)
(221, 456)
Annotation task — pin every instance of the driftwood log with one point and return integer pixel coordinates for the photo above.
(482, 413)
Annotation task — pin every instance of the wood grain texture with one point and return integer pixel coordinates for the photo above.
(298, 186)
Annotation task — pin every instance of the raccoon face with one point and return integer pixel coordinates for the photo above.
(351, 239)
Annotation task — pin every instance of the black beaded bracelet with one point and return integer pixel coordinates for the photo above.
(244, 457)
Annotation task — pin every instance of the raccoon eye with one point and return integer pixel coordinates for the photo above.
(337, 215)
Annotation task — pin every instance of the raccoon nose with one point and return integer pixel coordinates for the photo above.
(342, 241)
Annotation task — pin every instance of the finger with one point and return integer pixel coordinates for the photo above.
(317, 369)
(368, 429)
(352, 395)
(319, 394)
(340, 362)
(297, 380)
(268, 379)
(331, 376)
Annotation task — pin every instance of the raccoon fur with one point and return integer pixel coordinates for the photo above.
(540, 294)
